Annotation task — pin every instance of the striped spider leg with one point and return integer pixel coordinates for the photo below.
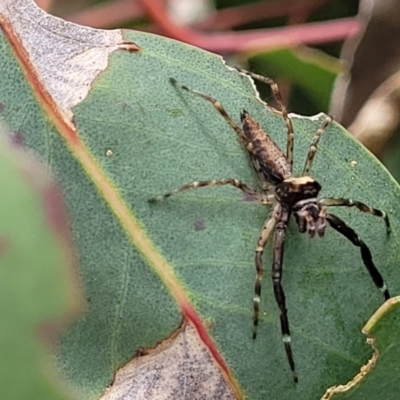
(287, 195)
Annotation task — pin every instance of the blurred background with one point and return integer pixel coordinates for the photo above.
(341, 57)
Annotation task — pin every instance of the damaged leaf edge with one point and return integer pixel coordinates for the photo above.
(365, 369)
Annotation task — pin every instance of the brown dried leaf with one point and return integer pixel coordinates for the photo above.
(180, 367)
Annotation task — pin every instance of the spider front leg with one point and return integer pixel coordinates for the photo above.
(341, 227)
(329, 202)
(216, 182)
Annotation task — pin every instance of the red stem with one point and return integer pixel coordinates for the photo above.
(226, 42)
(240, 15)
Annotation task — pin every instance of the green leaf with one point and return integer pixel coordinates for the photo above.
(36, 287)
(147, 266)
(379, 375)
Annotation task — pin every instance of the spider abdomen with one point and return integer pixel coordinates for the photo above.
(270, 158)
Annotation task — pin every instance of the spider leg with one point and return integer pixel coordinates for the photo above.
(358, 204)
(216, 182)
(313, 147)
(279, 240)
(256, 141)
(341, 227)
(219, 108)
(288, 122)
(268, 227)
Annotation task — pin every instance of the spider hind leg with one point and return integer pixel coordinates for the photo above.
(313, 147)
(277, 222)
(277, 266)
(278, 98)
(267, 229)
(218, 106)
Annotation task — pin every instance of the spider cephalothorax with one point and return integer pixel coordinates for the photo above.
(287, 195)
(300, 196)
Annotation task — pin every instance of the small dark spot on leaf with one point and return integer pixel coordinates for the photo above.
(17, 138)
(56, 212)
(1, 107)
(199, 225)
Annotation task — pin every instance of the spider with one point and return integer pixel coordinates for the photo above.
(288, 195)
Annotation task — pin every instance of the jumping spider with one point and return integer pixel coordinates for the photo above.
(287, 195)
